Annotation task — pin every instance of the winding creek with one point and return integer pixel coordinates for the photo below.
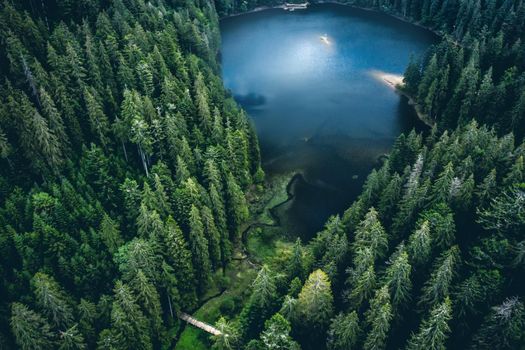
(311, 82)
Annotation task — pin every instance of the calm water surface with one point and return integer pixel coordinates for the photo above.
(317, 107)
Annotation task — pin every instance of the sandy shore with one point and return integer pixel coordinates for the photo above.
(392, 80)
(395, 81)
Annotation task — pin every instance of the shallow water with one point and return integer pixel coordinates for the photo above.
(316, 105)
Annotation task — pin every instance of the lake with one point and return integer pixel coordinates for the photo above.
(307, 79)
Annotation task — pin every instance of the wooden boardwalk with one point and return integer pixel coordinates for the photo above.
(199, 324)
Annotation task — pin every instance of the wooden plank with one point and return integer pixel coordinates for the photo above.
(199, 324)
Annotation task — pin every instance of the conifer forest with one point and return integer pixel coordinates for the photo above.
(132, 187)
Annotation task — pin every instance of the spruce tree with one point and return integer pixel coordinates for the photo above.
(31, 330)
(199, 249)
(344, 332)
(433, 331)
(129, 326)
(315, 302)
(52, 300)
(378, 317)
(276, 335)
(437, 287)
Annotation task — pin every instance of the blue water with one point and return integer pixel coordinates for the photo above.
(317, 107)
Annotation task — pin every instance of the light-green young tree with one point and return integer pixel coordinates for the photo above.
(315, 302)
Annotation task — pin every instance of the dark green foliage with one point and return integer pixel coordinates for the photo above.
(124, 167)
(456, 252)
(122, 158)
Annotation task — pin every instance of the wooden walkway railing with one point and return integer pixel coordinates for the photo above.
(199, 324)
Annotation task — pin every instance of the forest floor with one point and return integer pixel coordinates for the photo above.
(263, 244)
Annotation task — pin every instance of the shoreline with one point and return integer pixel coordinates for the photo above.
(395, 82)
(369, 9)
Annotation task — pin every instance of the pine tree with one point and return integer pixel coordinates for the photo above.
(487, 189)
(148, 297)
(149, 223)
(228, 338)
(179, 255)
(295, 266)
(138, 254)
(516, 174)
(420, 244)
(505, 213)
(371, 233)
(31, 330)
(433, 332)
(39, 142)
(87, 314)
(378, 318)
(437, 287)
(442, 225)
(264, 289)
(237, 207)
(98, 121)
(276, 335)
(110, 234)
(50, 111)
(363, 286)
(389, 199)
(220, 217)
(53, 301)
(344, 332)
(199, 249)
(71, 339)
(442, 185)
(129, 326)
(412, 76)
(315, 302)
(397, 278)
(502, 328)
(213, 237)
